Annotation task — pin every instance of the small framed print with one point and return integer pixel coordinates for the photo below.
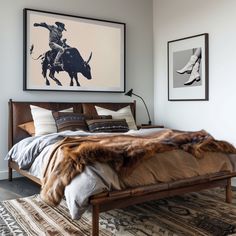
(188, 68)
(71, 53)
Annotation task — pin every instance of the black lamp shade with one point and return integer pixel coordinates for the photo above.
(129, 93)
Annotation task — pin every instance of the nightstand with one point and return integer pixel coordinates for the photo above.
(143, 126)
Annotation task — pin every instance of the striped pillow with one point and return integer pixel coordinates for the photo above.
(43, 120)
(108, 125)
(70, 121)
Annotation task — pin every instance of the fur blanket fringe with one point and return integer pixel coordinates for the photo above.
(122, 152)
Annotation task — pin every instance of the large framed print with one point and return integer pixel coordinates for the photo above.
(71, 53)
(188, 68)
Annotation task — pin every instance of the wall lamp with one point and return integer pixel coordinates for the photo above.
(130, 93)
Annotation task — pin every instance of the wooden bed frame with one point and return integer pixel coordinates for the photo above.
(19, 113)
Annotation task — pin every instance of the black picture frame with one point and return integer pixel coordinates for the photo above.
(94, 42)
(188, 73)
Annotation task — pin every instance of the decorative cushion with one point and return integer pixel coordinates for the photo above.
(123, 113)
(70, 121)
(108, 125)
(28, 127)
(103, 117)
(43, 120)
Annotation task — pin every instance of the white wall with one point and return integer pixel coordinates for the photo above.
(137, 14)
(182, 18)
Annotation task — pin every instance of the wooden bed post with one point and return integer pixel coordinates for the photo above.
(9, 172)
(228, 191)
(10, 136)
(95, 220)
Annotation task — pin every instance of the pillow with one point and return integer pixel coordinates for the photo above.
(28, 127)
(43, 120)
(123, 113)
(69, 121)
(103, 117)
(108, 125)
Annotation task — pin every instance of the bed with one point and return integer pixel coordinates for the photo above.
(20, 112)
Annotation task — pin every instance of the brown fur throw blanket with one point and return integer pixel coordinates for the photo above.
(122, 152)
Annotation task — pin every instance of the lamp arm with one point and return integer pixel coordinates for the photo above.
(149, 122)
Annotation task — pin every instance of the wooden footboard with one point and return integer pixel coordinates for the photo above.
(123, 198)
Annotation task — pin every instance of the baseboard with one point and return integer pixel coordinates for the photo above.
(4, 174)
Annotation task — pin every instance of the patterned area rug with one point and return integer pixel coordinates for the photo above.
(203, 213)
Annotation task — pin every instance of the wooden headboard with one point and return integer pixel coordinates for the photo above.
(19, 113)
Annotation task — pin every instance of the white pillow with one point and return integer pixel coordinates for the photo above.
(123, 113)
(43, 120)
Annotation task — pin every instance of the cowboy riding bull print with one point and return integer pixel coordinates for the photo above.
(62, 57)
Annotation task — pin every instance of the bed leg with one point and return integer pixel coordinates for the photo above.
(95, 220)
(228, 191)
(9, 173)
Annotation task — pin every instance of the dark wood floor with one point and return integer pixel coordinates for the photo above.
(19, 187)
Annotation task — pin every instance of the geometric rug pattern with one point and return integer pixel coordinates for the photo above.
(203, 213)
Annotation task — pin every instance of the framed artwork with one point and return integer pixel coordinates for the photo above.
(188, 68)
(72, 53)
